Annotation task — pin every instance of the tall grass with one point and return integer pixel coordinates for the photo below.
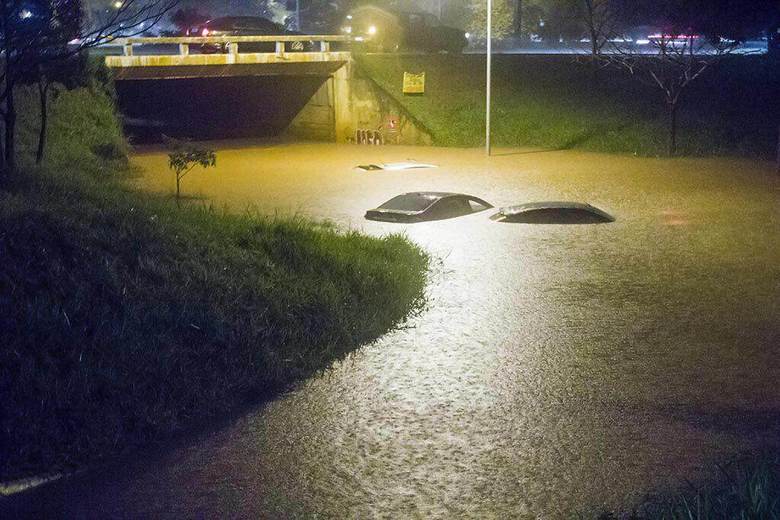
(745, 489)
(748, 490)
(555, 102)
(124, 319)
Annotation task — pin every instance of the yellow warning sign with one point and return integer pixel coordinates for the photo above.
(414, 83)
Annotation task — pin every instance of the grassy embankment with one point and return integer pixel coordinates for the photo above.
(745, 489)
(554, 102)
(124, 319)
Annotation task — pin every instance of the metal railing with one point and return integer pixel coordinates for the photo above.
(231, 42)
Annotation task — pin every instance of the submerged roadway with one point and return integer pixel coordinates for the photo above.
(556, 369)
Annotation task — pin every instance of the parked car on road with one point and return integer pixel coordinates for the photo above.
(423, 205)
(381, 30)
(246, 26)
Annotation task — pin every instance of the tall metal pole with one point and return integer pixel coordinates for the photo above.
(489, 64)
(298, 15)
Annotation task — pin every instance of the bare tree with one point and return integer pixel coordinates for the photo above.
(31, 39)
(673, 64)
(602, 20)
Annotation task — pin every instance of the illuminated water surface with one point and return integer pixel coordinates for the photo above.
(557, 369)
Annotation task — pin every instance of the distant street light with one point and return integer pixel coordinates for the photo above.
(489, 63)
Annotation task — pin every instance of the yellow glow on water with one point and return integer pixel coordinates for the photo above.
(556, 368)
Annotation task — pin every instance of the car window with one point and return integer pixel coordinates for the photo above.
(451, 207)
(477, 206)
(409, 202)
(220, 24)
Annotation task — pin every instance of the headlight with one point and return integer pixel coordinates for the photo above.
(468, 36)
(347, 29)
(371, 30)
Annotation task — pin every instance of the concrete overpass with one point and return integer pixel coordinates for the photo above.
(317, 60)
(311, 85)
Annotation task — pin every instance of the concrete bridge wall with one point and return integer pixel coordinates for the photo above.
(318, 97)
(350, 101)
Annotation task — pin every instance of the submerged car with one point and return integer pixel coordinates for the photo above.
(553, 213)
(245, 26)
(380, 30)
(423, 206)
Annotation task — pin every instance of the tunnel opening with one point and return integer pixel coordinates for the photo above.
(213, 108)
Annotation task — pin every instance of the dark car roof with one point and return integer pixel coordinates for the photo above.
(432, 197)
(415, 201)
(553, 205)
(439, 195)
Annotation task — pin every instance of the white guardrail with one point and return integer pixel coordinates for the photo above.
(231, 42)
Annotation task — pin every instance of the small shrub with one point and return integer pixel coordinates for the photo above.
(184, 157)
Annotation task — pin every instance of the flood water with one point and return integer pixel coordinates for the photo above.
(556, 369)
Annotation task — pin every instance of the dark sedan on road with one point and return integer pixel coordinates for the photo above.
(246, 26)
(423, 206)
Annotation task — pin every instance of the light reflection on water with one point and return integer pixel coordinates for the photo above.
(556, 369)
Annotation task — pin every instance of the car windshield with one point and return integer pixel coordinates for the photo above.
(410, 202)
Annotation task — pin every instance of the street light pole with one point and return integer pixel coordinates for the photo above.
(489, 63)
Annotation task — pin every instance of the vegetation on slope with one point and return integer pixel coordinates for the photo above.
(747, 488)
(555, 102)
(123, 318)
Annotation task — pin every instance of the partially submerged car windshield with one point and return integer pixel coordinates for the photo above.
(410, 202)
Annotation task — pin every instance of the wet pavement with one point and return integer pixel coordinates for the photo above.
(556, 370)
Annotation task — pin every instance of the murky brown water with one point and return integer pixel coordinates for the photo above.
(558, 369)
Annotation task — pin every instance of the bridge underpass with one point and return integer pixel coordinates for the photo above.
(311, 93)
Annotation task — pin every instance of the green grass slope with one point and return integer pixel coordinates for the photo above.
(124, 319)
(555, 102)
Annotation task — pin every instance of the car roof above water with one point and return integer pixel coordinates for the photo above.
(563, 209)
(530, 206)
(416, 200)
